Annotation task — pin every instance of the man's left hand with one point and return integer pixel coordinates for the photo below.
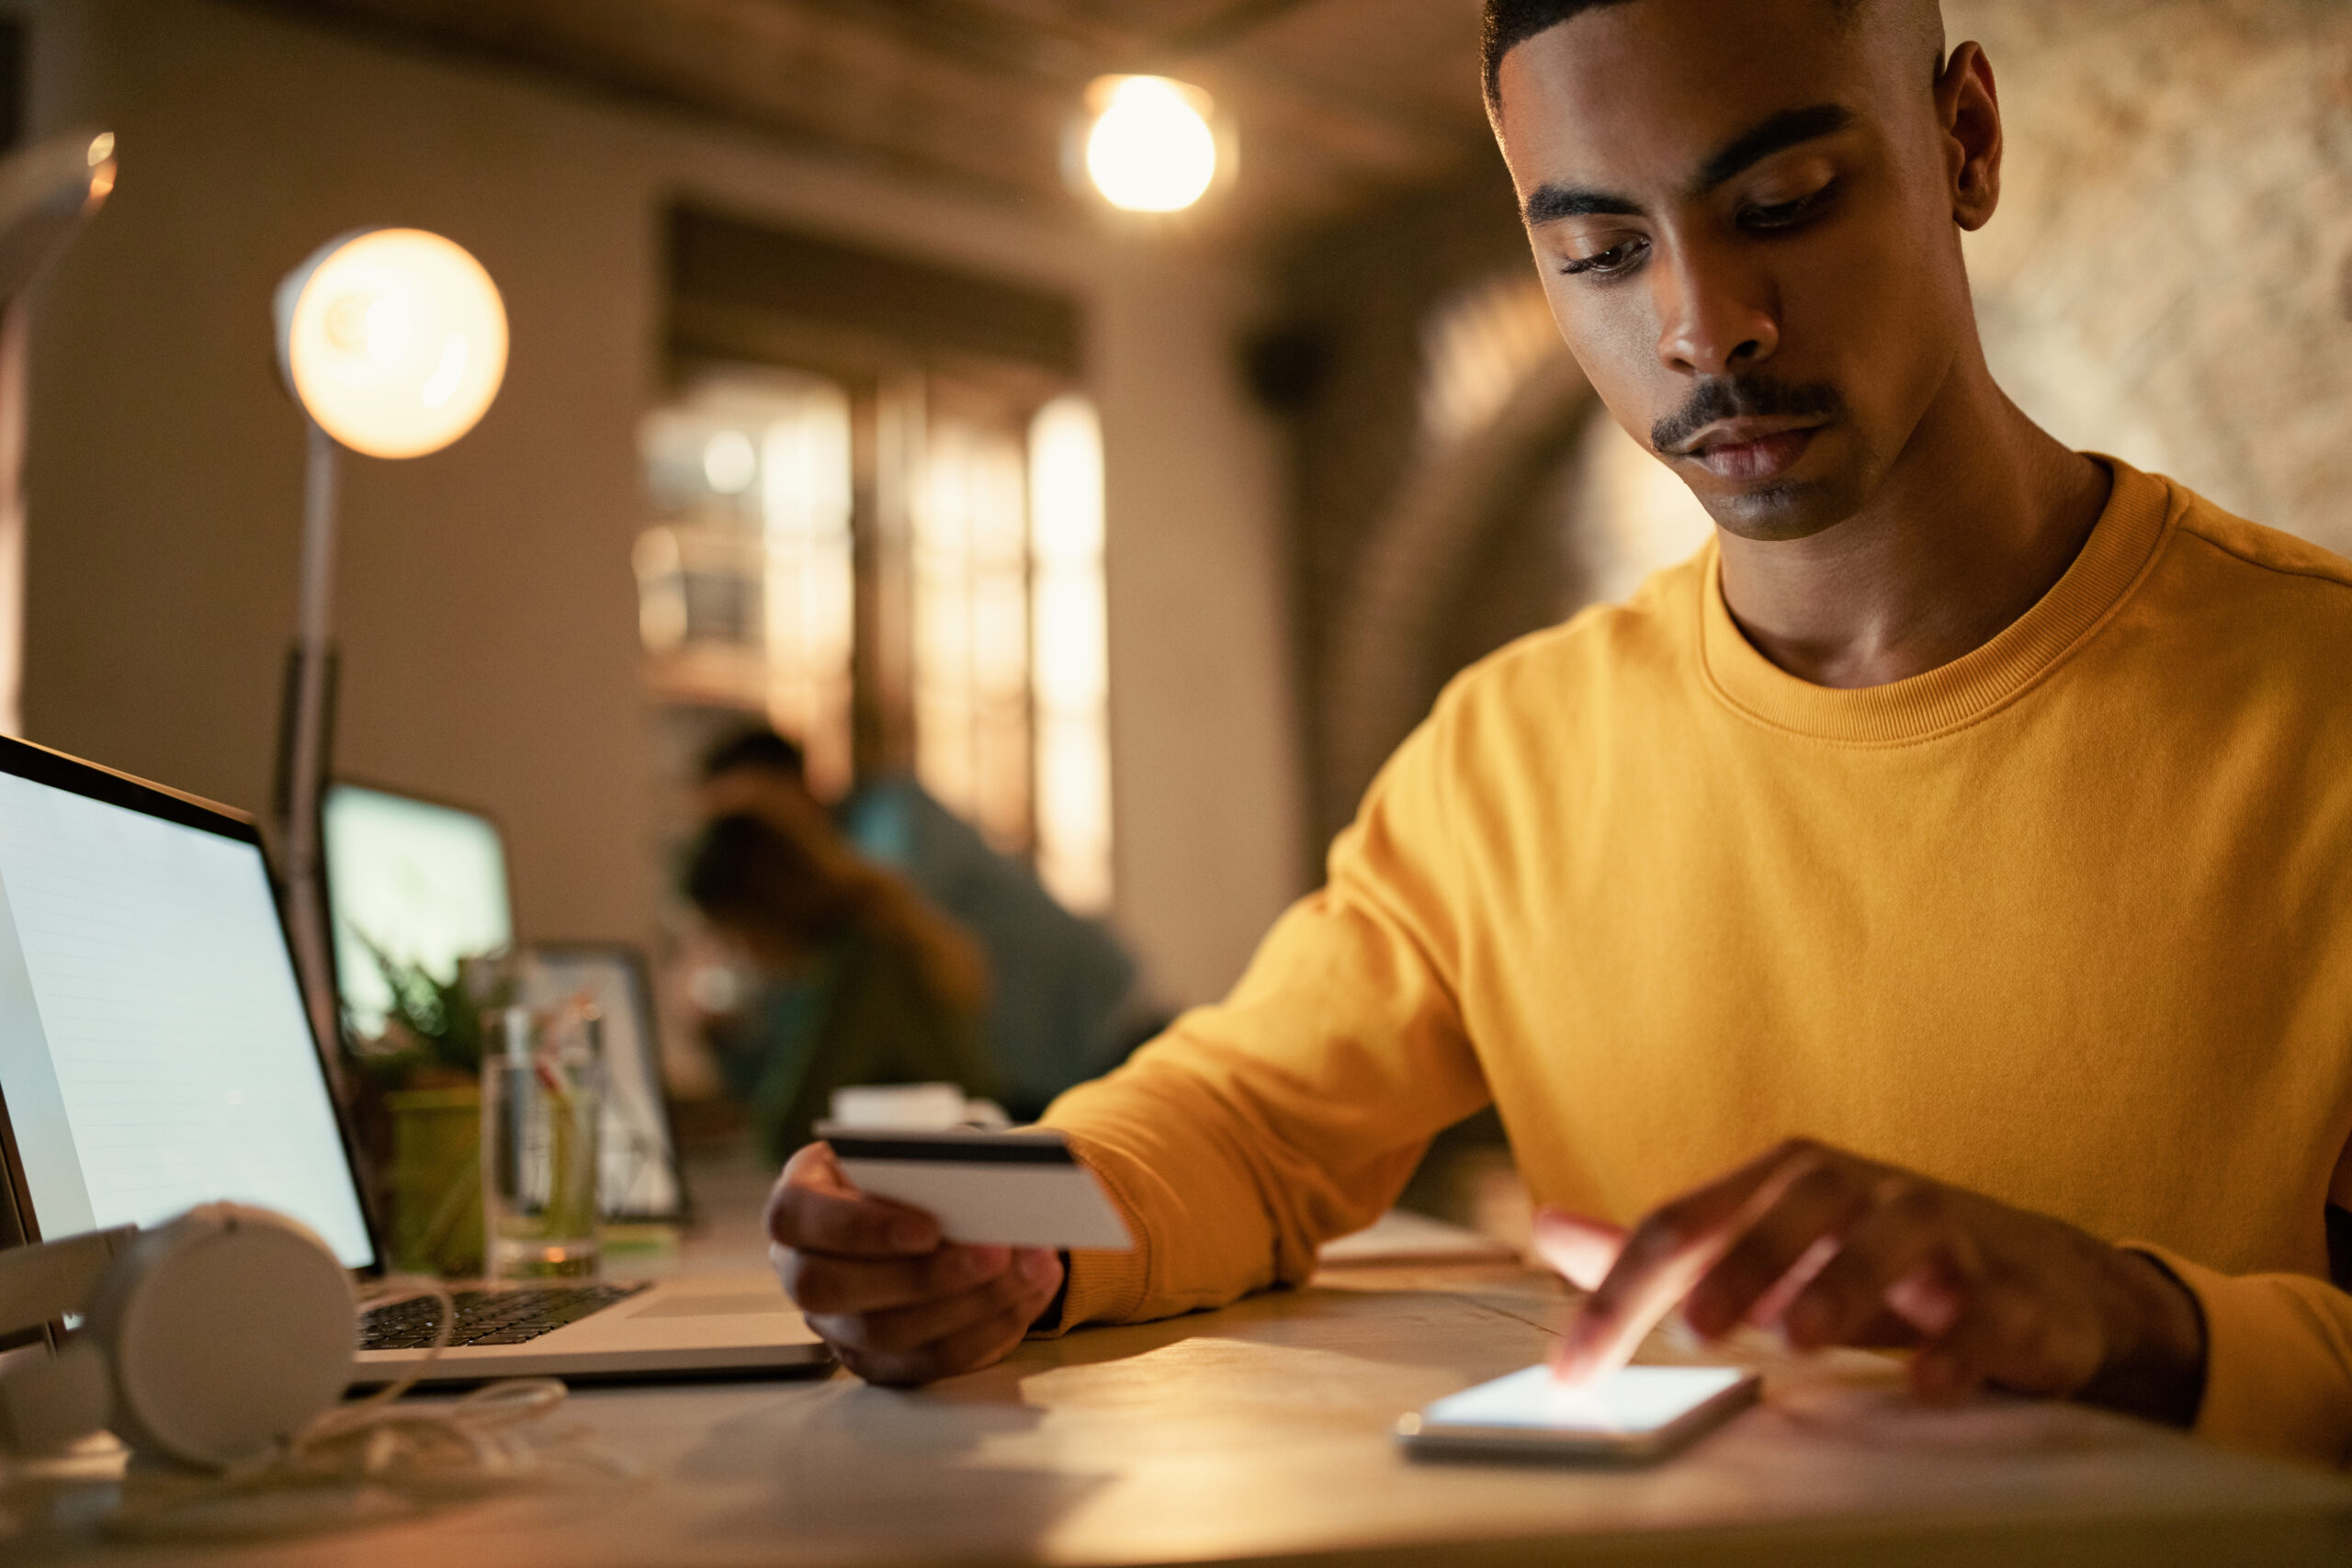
(1835, 1250)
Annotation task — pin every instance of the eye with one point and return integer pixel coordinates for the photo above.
(1619, 257)
(1787, 214)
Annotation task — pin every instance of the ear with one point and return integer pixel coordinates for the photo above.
(1969, 112)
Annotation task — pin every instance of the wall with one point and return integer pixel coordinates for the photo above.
(1357, 296)
(485, 606)
(2169, 275)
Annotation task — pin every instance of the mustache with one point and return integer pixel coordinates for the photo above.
(1744, 397)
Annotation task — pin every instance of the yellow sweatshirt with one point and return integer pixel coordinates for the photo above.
(2067, 921)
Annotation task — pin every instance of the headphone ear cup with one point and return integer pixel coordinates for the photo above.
(226, 1331)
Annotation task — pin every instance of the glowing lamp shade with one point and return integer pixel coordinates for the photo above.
(393, 339)
(1151, 149)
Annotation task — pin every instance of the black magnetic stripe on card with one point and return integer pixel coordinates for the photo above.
(953, 1151)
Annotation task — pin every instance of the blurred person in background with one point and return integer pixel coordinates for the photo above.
(1061, 1007)
(861, 981)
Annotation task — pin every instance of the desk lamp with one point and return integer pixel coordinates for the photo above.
(394, 342)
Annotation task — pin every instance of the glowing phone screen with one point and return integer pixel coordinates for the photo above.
(1630, 1402)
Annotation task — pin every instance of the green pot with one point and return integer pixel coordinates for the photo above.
(436, 1181)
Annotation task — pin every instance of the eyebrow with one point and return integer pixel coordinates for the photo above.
(1790, 127)
(1550, 203)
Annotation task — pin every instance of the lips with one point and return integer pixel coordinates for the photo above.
(1762, 457)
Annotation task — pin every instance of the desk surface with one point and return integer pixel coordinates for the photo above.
(1261, 1434)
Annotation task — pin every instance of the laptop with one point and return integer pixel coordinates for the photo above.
(155, 1054)
(425, 882)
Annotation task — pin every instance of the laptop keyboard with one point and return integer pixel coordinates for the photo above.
(487, 1317)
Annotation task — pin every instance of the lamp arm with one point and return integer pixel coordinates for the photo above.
(307, 748)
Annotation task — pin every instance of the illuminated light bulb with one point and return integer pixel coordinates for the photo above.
(384, 324)
(447, 376)
(729, 464)
(1151, 149)
(393, 339)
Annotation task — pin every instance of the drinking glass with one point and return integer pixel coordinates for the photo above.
(542, 1094)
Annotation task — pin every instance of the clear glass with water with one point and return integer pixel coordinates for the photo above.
(542, 1100)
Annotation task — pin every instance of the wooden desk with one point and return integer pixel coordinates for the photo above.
(1260, 1433)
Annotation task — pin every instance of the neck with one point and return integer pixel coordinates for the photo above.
(1981, 515)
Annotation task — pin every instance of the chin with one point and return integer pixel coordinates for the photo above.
(1785, 509)
(1793, 506)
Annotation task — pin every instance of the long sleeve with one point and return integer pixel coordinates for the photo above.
(1296, 1111)
(2277, 1361)
(2061, 923)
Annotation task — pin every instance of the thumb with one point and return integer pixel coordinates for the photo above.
(1583, 1249)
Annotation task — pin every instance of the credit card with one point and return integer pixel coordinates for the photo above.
(1019, 1188)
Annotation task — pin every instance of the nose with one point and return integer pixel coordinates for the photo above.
(1715, 317)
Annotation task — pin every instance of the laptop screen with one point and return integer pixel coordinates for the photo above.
(154, 1050)
(425, 884)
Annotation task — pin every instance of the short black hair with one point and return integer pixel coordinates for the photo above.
(1509, 23)
(759, 748)
(741, 872)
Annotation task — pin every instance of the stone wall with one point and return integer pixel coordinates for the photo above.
(2166, 278)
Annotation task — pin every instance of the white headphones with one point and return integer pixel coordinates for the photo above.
(206, 1341)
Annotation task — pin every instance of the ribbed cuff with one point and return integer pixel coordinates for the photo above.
(1098, 1286)
(2271, 1385)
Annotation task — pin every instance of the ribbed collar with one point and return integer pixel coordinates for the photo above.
(2140, 509)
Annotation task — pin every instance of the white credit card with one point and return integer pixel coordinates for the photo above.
(1023, 1189)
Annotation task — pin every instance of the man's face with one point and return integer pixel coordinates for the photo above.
(1742, 211)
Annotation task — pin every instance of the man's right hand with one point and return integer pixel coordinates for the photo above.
(897, 1303)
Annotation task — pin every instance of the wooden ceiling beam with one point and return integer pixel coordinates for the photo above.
(974, 91)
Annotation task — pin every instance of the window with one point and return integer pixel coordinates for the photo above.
(745, 581)
(959, 634)
(1070, 661)
(971, 633)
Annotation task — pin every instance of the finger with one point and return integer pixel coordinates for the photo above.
(1884, 1331)
(1928, 1300)
(1909, 1233)
(2014, 1336)
(1802, 1226)
(1580, 1248)
(812, 1165)
(1991, 1332)
(973, 1344)
(1767, 1308)
(818, 1282)
(986, 1343)
(1665, 1256)
(906, 1330)
(814, 1209)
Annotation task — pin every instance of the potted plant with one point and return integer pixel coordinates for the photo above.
(426, 1066)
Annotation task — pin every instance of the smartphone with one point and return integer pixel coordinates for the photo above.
(1635, 1415)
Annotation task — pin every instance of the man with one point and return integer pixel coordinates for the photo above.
(1953, 853)
(862, 981)
(1062, 989)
